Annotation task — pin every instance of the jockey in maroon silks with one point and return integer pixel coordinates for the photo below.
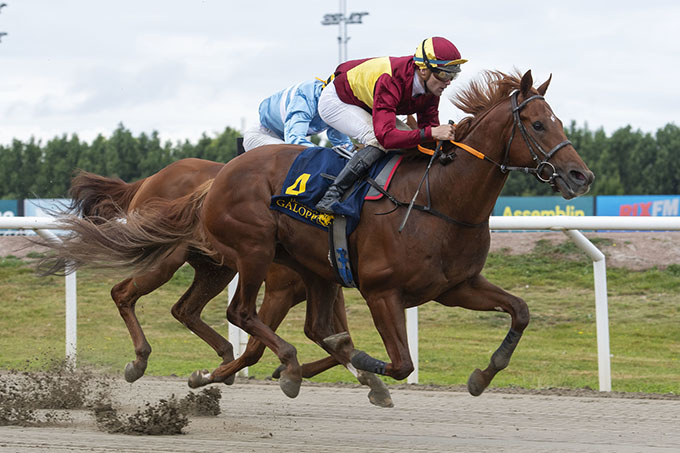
(367, 95)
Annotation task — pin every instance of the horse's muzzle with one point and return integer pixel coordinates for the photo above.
(573, 182)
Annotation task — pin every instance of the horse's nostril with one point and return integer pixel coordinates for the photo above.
(577, 176)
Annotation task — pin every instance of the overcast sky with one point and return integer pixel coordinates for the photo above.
(183, 68)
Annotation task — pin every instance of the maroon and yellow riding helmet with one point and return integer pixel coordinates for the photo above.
(440, 56)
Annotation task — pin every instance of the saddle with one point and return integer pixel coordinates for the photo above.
(307, 180)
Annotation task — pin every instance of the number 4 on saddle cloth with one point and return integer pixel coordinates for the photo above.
(307, 181)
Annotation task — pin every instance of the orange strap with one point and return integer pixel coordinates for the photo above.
(424, 150)
(467, 148)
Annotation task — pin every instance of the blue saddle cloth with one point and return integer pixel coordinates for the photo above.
(304, 186)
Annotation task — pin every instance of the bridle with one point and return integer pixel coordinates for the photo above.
(532, 144)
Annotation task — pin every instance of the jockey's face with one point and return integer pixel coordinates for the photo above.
(434, 85)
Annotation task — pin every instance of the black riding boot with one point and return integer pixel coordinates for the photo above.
(355, 168)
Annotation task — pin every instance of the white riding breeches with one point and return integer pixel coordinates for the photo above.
(349, 119)
(259, 135)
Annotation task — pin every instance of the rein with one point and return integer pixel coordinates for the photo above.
(503, 167)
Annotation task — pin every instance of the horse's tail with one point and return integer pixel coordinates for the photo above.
(137, 243)
(99, 197)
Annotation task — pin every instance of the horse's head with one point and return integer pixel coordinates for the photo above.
(537, 142)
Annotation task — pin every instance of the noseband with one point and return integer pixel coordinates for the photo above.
(533, 145)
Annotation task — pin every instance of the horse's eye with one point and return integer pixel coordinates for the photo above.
(538, 126)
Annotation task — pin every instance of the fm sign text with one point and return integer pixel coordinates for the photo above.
(651, 208)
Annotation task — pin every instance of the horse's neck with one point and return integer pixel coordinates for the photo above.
(467, 188)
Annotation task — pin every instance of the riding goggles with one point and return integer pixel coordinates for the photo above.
(445, 73)
(445, 76)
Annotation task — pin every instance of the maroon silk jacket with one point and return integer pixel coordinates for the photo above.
(383, 87)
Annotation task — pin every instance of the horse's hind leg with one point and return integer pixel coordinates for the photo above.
(283, 290)
(209, 280)
(125, 295)
(242, 312)
(242, 315)
(480, 294)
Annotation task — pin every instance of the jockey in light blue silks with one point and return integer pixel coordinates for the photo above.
(291, 116)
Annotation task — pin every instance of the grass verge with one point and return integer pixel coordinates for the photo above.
(558, 349)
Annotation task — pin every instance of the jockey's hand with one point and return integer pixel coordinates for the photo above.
(443, 132)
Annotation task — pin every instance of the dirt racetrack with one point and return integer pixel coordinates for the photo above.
(258, 417)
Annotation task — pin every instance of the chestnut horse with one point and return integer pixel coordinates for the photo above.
(438, 254)
(100, 198)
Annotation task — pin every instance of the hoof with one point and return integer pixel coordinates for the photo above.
(379, 394)
(132, 372)
(199, 378)
(289, 386)
(231, 378)
(476, 383)
(337, 341)
(277, 372)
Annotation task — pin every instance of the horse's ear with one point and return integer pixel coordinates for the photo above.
(526, 83)
(544, 86)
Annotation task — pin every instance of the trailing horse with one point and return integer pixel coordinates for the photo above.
(397, 264)
(99, 199)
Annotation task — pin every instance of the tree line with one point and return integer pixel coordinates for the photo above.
(35, 170)
(625, 162)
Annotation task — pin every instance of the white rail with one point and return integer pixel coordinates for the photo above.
(569, 225)
(42, 227)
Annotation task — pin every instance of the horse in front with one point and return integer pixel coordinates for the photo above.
(403, 254)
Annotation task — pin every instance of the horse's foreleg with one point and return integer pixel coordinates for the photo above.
(311, 369)
(480, 294)
(326, 313)
(209, 280)
(125, 295)
(389, 318)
